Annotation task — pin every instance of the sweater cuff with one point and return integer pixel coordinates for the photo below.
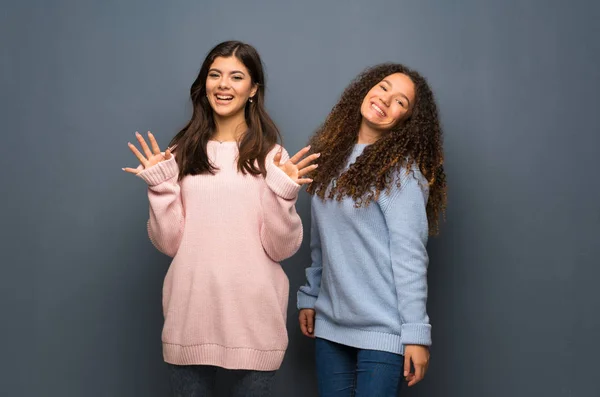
(160, 172)
(280, 183)
(416, 334)
(305, 301)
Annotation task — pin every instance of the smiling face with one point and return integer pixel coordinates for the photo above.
(228, 87)
(389, 102)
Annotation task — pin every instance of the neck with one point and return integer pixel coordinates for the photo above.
(229, 128)
(367, 134)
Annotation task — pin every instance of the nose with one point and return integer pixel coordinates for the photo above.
(385, 100)
(223, 84)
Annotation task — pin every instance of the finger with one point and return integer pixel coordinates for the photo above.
(168, 154)
(277, 158)
(310, 320)
(406, 364)
(304, 181)
(143, 144)
(155, 148)
(303, 326)
(137, 154)
(134, 171)
(300, 154)
(306, 170)
(308, 160)
(301, 321)
(419, 374)
(413, 381)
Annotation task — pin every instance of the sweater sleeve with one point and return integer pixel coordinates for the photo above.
(404, 210)
(166, 221)
(308, 293)
(281, 229)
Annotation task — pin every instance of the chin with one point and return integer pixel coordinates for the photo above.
(374, 121)
(226, 112)
(221, 113)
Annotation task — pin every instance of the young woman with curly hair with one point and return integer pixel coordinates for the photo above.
(377, 195)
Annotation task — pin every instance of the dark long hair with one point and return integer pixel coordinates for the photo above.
(257, 141)
(416, 141)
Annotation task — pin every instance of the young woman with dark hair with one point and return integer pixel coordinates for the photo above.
(222, 204)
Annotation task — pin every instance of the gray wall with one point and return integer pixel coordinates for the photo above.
(514, 298)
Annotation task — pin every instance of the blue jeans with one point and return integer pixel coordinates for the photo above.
(344, 371)
(199, 381)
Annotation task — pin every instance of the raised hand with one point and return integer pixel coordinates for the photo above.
(296, 168)
(150, 157)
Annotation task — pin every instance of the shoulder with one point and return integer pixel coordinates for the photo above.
(406, 184)
(411, 176)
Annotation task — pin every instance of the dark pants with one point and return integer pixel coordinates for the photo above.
(199, 381)
(344, 371)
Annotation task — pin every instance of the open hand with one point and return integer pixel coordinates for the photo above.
(296, 168)
(150, 157)
(419, 355)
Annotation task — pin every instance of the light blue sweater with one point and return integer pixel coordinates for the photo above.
(368, 278)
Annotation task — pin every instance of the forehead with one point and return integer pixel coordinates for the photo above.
(401, 83)
(228, 64)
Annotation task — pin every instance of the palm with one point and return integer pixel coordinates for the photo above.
(155, 159)
(296, 167)
(290, 169)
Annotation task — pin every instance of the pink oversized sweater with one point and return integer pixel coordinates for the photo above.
(225, 295)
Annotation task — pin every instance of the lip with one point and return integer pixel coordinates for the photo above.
(377, 109)
(223, 101)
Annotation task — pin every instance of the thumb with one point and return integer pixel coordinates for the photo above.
(406, 363)
(277, 158)
(168, 154)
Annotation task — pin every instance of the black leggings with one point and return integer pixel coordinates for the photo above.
(199, 381)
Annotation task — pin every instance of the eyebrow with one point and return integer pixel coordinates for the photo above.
(232, 72)
(390, 84)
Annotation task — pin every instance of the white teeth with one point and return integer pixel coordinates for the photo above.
(378, 110)
(224, 97)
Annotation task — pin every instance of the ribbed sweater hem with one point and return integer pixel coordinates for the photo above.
(224, 357)
(358, 338)
(305, 301)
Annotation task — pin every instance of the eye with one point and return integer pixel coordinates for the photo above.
(400, 102)
(213, 75)
(383, 87)
(238, 78)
